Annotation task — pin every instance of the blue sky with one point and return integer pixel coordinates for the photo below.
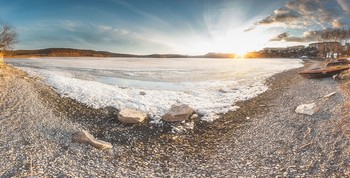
(170, 26)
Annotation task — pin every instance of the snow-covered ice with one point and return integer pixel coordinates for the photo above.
(210, 86)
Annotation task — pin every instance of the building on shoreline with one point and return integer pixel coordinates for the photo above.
(285, 50)
(328, 49)
(319, 50)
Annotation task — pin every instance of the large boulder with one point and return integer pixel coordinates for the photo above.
(178, 113)
(131, 116)
(85, 137)
(307, 109)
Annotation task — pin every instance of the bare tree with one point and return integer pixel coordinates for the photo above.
(325, 35)
(347, 36)
(8, 35)
(335, 35)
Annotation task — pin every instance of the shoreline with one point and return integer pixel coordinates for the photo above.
(207, 91)
(156, 150)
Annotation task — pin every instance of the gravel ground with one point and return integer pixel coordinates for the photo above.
(264, 138)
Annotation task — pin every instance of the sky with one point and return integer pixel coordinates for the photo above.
(172, 26)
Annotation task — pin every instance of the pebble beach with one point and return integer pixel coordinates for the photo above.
(263, 138)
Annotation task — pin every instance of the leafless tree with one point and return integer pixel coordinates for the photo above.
(8, 35)
(325, 35)
(335, 35)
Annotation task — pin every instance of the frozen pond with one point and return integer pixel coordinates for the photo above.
(210, 86)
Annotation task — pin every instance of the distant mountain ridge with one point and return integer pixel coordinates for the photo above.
(70, 52)
(63, 52)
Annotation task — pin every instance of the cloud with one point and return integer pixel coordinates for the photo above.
(345, 5)
(303, 14)
(308, 36)
(337, 24)
(69, 25)
(280, 37)
(114, 31)
(282, 15)
(144, 14)
(304, 6)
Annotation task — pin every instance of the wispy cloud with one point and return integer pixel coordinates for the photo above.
(151, 18)
(345, 5)
(69, 25)
(115, 32)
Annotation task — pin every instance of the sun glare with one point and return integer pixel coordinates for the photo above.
(236, 41)
(224, 35)
(240, 54)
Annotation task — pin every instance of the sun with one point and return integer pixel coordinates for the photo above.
(237, 42)
(240, 54)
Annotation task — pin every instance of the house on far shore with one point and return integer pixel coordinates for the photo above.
(295, 48)
(286, 49)
(1, 52)
(270, 50)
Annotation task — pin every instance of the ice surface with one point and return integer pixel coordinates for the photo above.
(210, 86)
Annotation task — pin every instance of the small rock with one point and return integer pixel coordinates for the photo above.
(222, 91)
(183, 128)
(335, 77)
(308, 109)
(131, 116)
(178, 113)
(189, 125)
(142, 93)
(330, 95)
(85, 137)
(194, 116)
(178, 129)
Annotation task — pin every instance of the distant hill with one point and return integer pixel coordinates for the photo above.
(69, 52)
(63, 52)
